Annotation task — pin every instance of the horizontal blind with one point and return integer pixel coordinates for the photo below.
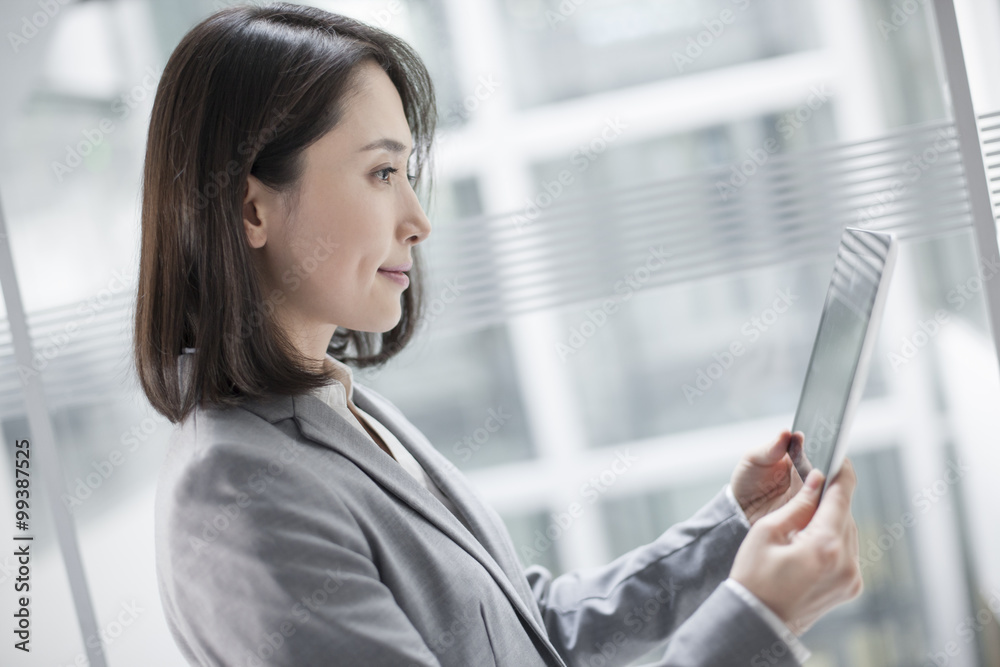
(482, 270)
(989, 133)
(756, 213)
(82, 350)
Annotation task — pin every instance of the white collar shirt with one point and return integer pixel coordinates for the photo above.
(339, 395)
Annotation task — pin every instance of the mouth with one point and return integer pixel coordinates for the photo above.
(399, 268)
(398, 277)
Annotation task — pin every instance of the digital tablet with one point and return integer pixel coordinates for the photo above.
(838, 367)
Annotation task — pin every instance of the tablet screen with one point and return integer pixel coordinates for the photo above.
(837, 352)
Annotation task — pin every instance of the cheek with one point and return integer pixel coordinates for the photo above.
(351, 245)
(347, 270)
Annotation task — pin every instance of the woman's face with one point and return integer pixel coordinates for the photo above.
(324, 249)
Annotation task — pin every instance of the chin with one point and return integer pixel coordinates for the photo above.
(375, 320)
(385, 324)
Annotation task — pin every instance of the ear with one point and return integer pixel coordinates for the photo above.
(261, 212)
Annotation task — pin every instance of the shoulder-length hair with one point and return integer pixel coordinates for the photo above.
(246, 92)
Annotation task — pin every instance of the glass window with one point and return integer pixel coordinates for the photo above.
(658, 369)
(461, 392)
(563, 50)
(665, 362)
(622, 165)
(533, 546)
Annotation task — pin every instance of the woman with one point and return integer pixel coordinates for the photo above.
(300, 518)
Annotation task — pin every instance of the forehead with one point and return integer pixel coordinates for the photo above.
(375, 110)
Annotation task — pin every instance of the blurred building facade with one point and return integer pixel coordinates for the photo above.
(554, 408)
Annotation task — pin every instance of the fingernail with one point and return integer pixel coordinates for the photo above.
(814, 479)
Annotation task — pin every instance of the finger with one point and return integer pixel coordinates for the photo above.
(795, 479)
(850, 472)
(772, 453)
(853, 548)
(795, 448)
(797, 512)
(835, 509)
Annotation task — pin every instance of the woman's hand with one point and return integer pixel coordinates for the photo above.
(765, 479)
(800, 560)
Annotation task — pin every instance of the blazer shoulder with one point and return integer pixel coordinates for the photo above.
(220, 456)
(233, 468)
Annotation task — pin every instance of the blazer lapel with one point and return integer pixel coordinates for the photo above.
(454, 485)
(320, 423)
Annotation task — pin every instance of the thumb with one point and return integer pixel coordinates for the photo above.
(797, 512)
(772, 453)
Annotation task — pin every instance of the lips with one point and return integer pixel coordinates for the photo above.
(399, 268)
(396, 274)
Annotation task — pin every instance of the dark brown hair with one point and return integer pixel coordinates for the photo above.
(246, 92)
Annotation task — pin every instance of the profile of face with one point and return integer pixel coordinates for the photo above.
(324, 250)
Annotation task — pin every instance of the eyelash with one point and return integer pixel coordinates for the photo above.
(393, 170)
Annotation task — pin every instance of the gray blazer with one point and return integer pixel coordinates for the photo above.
(284, 537)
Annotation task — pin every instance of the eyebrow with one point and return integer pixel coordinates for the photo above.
(385, 143)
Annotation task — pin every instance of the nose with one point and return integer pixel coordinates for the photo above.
(416, 226)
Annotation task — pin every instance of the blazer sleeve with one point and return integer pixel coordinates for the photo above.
(625, 609)
(257, 578)
(724, 630)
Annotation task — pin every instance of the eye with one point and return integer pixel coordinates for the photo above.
(388, 171)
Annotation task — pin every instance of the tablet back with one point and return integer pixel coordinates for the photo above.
(842, 351)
